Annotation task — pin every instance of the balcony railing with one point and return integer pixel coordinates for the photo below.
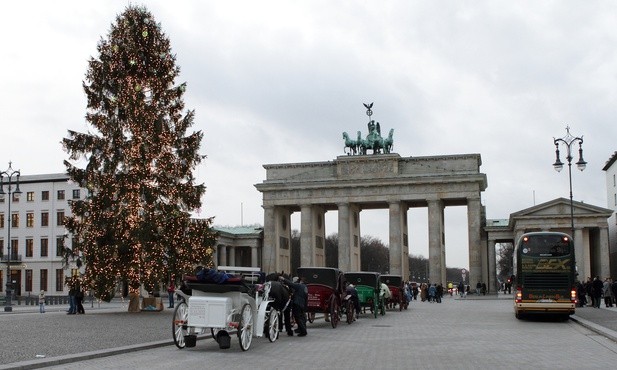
(13, 258)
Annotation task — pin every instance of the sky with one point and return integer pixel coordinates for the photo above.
(279, 81)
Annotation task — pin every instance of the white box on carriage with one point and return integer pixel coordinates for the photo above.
(209, 311)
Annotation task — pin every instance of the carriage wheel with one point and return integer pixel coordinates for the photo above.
(272, 325)
(351, 310)
(180, 324)
(310, 317)
(245, 327)
(335, 312)
(214, 332)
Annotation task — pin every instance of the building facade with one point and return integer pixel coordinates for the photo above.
(591, 235)
(611, 202)
(37, 235)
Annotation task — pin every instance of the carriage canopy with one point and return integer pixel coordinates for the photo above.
(370, 279)
(328, 276)
(392, 280)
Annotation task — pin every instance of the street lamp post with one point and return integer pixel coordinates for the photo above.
(9, 173)
(568, 141)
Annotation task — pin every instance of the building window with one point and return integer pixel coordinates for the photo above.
(1, 220)
(43, 281)
(15, 220)
(1, 248)
(44, 247)
(28, 280)
(60, 194)
(15, 198)
(59, 280)
(59, 246)
(76, 194)
(14, 249)
(29, 247)
(1, 281)
(30, 219)
(45, 195)
(30, 196)
(60, 218)
(44, 218)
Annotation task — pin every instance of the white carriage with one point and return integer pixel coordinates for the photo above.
(241, 305)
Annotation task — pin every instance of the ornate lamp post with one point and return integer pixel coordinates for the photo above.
(568, 141)
(9, 173)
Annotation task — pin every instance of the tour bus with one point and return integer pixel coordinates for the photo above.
(545, 277)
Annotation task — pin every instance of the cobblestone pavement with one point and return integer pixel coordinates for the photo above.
(456, 334)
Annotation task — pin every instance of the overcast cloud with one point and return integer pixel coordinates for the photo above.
(279, 81)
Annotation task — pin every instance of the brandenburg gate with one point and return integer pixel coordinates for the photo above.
(382, 180)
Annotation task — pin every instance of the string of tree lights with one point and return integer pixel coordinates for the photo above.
(135, 225)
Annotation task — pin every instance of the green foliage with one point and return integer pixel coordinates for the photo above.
(139, 159)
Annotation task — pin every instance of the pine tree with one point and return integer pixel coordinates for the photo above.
(135, 224)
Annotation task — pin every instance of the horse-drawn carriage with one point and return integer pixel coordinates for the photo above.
(397, 291)
(225, 303)
(326, 290)
(367, 285)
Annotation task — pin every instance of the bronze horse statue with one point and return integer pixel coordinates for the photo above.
(353, 145)
(376, 143)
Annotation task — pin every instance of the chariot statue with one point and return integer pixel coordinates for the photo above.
(373, 141)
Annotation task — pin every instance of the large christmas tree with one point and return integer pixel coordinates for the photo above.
(135, 226)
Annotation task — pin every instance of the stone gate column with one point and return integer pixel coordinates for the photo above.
(282, 240)
(306, 236)
(254, 254)
(395, 238)
(435, 240)
(318, 236)
(583, 264)
(269, 250)
(474, 225)
(232, 256)
(605, 270)
(222, 255)
(397, 262)
(344, 240)
(492, 266)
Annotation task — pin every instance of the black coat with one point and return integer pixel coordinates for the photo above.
(300, 293)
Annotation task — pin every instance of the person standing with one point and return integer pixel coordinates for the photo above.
(606, 291)
(79, 299)
(298, 303)
(596, 291)
(72, 301)
(460, 288)
(171, 290)
(42, 301)
(352, 292)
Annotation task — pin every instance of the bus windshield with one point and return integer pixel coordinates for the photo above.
(545, 245)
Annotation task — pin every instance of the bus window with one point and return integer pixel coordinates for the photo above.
(546, 246)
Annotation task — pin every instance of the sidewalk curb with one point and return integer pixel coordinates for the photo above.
(608, 333)
(55, 361)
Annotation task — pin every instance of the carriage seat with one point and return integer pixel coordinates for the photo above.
(232, 284)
